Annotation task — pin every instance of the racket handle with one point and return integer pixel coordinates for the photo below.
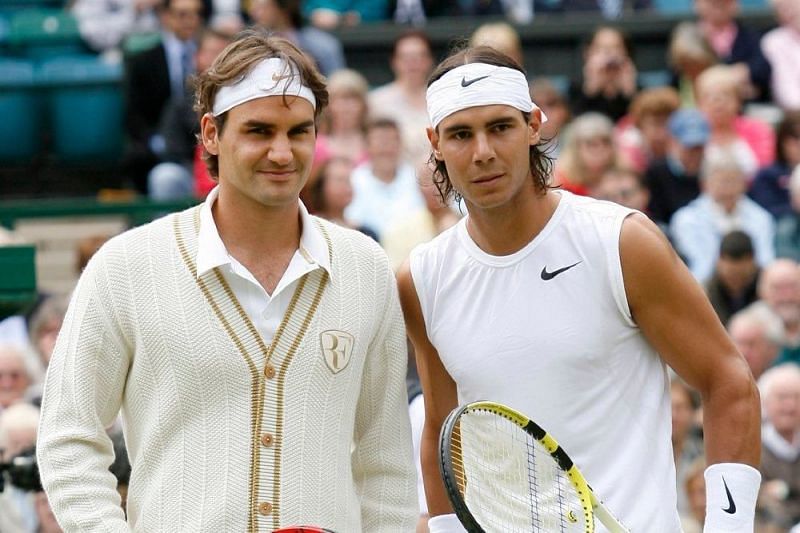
(445, 523)
(609, 520)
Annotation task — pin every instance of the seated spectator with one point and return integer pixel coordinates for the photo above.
(330, 14)
(18, 425)
(675, 180)
(780, 46)
(403, 99)
(609, 9)
(689, 54)
(15, 376)
(588, 152)
(733, 284)
(780, 451)
(385, 187)
(502, 37)
(687, 444)
(418, 226)
(622, 185)
(173, 177)
(609, 76)
(554, 105)
(695, 486)
(697, 228)
(770, 187)
(284, 18)
(646, 139)
(342, 132)
(787, 234)
(750, 140)
(779, 302)
(757, 338)
(735, 45)
(44, 327)
(104, 24)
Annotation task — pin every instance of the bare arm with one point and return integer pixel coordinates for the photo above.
(677, 319)
(439, 391)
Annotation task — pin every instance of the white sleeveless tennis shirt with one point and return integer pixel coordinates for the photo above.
(547, 330)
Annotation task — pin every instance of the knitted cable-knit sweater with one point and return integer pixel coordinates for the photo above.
(224, 432)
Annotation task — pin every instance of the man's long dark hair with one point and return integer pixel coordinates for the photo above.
(541, 164)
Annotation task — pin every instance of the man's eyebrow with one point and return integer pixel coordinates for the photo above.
(302, 125)
(494, 122)
(253, 123)
(456, 127)
(500, 120)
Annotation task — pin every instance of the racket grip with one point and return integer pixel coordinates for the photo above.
(445, 523)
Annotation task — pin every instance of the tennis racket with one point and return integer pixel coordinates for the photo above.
(504, 473)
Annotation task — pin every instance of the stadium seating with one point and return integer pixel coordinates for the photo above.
(42, 33)
(20, 129)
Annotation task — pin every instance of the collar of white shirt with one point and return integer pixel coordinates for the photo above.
(211, 251)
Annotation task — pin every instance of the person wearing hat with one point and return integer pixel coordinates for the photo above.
(256, 352)
(673, 181)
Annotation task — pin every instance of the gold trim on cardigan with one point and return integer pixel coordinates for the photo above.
(287, 340)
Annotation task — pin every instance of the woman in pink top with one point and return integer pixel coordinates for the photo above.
(719, 98)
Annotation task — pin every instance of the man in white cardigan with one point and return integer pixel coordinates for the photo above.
(255, 352)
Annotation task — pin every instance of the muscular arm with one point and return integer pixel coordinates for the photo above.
(439, 391)
(677, 319)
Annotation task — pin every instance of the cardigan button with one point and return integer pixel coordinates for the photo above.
(269, 372)
(265, 508)
(267, 440)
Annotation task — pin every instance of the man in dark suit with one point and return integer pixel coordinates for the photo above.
(152, 78)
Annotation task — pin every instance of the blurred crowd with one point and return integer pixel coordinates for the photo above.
(713, 157)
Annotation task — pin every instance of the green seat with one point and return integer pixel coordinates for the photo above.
(20, 107)
(85, 107)
(139, 42)
(42, 33)
(17, 279)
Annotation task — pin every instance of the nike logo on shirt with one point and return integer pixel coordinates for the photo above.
(466, 83)
(731, 504)
(550, 275)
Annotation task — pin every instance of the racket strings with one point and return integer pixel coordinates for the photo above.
(508, 480)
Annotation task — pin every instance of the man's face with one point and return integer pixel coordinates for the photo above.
(725, 187)
(736, 274)
(690, 157)
(183, 18)
(752, 342)
(486, 150)
(13, 377)
(210, 47)
(656, 134)
(384, 146)
(781, 291)
(782, 404)
(412, 61)
(264, 151)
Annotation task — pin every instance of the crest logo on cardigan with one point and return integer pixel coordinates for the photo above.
(337, 347)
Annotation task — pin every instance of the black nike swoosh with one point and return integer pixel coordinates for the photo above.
(731, 505)
(550, 275)
(466, 83)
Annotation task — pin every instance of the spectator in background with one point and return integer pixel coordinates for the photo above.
(787, 238)
(403, 100)
(44, 327)
(687, 444)
(18, 426)
(154, 76)
(749, 140)
(104, 24)
(780, 47)
(86, 248)
(502, 37)
(735, 45)
(733, 285)
(610, 9)
(418, 226)
(675, 180)
(345, 119)
(695, 486)
(589, 151)
(622, 185)
(331, 14)
(609, 75)
(689, 54)
(757, 338)
(284, 18)
(780, 438)
(385, 187)
(647, 139)
(15, 376)
(770, 187)
(174, 178)
(554, 105)
(697, 228)
(779, 301)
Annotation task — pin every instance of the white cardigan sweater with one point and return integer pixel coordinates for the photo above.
(225, 433)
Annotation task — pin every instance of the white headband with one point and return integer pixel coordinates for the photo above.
(478, 84)
(263, 80)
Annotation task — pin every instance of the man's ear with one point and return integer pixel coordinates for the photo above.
(433, 137)
(535, 126)
(209, 134)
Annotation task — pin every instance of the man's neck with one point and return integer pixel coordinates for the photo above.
(508, 229)
(384, 173)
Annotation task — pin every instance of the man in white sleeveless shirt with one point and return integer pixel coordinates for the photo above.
(568, 309)
(257, 354)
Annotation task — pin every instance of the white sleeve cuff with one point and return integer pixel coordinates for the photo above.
(731, 494)
(445, 523)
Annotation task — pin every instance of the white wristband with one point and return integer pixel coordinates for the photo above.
(445, 523)
(731, 493)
